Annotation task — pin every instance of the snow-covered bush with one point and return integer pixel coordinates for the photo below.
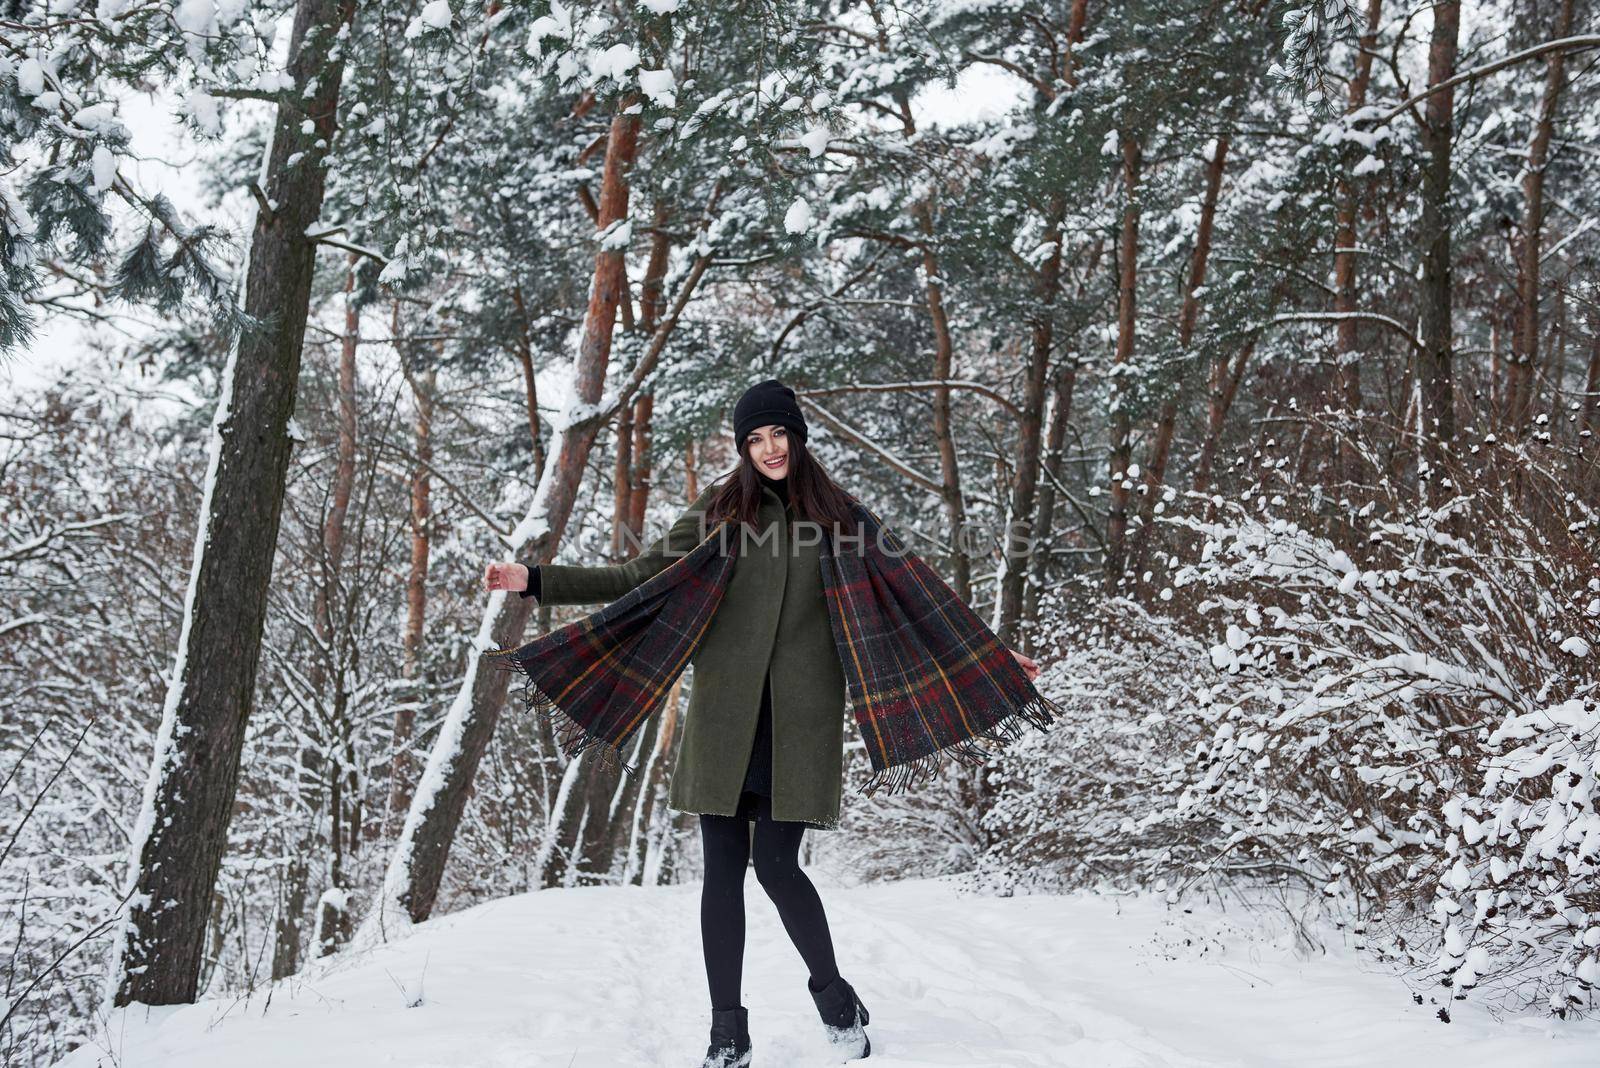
(1396, 707)
(1070, 804)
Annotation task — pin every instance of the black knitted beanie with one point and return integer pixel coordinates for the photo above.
(766, 403)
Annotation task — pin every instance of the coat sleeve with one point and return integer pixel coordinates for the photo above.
(533, 583)
(576, 584)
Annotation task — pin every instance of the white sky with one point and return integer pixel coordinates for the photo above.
(164, 160)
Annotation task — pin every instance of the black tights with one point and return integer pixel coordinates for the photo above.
(777, 850)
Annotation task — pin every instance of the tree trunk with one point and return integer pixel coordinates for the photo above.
(317, 850)
(1347, 366)
(1554, 369)
(1030, 424)
(1077, 19)
(1222, 387)
(334, 926)
(1121, 417)
(592, 836)
(1525, 337)
(1155, 472)
(610, 810)
(530, 382)
(1054, 466)
(652, 289)
(1436, 361)
(640, 481)
(604, 783)
(1056, 445)
(950, 495)
(652, 306)
(402, 765)
(181, 832)
(416, 868)
(626, 804)
(565, 823)
(290, 929)
(611, 794)
(344, 473)
(1591, 386)
(653, 790)
(1496, 371)
(691, 477)
(621, 491)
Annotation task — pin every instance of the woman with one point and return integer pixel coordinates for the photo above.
(763, 736)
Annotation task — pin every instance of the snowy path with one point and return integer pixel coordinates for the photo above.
(613, 978)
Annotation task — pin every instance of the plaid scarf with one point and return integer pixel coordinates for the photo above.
(927, 678)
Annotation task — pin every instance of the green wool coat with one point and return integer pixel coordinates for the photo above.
(772, 618)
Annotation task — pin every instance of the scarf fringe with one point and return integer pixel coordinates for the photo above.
(1038, 711)
(570, 735)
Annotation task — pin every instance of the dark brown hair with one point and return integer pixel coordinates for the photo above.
(813, 493)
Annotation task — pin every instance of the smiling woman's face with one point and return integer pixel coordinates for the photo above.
(769, 450)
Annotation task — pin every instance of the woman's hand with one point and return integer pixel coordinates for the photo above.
(505, 576)
(1027, 665)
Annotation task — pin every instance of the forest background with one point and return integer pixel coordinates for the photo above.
(1252, 349)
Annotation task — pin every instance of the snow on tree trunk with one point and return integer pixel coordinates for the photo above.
(405, 716)
(333, 927)
(181, 830)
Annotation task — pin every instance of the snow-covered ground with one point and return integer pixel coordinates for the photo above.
(606, 977)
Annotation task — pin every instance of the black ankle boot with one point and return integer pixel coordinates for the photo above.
(730, 1039)
(844, 1017)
